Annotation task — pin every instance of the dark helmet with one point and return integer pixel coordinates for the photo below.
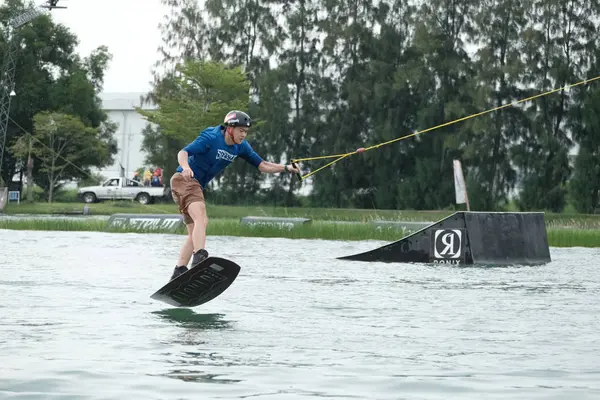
(237, 118)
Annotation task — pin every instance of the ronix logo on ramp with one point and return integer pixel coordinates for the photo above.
(448, 246)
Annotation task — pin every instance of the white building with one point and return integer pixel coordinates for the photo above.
(120, 108)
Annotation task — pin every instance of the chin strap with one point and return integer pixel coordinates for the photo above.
(228, 133)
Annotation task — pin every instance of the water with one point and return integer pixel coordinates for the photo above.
(22, 217)
(76, 322)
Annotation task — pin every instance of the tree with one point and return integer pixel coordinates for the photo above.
(202, 93)
(198, 96)
(241, 33)
(584, 186)
(329, 77)
(51, 77)
(497, 30)
(442, 73)
(558, 43)
(62, 143)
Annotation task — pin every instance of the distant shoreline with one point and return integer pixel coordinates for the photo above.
(559, 235)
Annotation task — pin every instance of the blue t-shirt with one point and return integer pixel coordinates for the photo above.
(208, 155)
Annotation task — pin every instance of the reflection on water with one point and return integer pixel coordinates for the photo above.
(62, 217)
(199, 376)
(189, 319)
(192, 335)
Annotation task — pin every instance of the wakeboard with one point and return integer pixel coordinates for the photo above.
(200, 284)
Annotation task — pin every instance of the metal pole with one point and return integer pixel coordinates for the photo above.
(7, 86)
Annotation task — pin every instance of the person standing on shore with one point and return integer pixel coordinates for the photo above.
(199, 162)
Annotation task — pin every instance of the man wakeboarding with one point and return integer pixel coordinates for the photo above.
(199, 162)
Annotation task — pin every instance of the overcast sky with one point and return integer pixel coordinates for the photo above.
(130, 30)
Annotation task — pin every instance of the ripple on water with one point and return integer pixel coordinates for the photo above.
(80, 324)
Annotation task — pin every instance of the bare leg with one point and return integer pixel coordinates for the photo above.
(188, 247)
(197, 211)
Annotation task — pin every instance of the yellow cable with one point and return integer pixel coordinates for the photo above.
(361, 150)
(324, 166)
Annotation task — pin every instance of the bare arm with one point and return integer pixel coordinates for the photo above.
(182, 158)
(272, 168)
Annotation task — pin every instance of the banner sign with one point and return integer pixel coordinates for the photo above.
(168, 222)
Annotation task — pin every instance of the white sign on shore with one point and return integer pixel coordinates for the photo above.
(460, 187)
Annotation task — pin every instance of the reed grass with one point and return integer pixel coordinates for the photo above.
(221, 227)
(329, 230)
(573, 237)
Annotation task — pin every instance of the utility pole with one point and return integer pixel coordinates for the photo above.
(30, 174)
(7, 75)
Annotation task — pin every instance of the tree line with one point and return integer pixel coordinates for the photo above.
(328, 77)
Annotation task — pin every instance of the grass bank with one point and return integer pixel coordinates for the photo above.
(329, 230)
(233, 212)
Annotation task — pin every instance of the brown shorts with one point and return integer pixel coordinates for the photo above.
(185, 192)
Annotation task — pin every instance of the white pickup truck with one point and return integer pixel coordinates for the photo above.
(121, 189)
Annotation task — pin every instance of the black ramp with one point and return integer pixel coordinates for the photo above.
(508, 238)
(200, 284)
(490, 238)
(417, 247)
